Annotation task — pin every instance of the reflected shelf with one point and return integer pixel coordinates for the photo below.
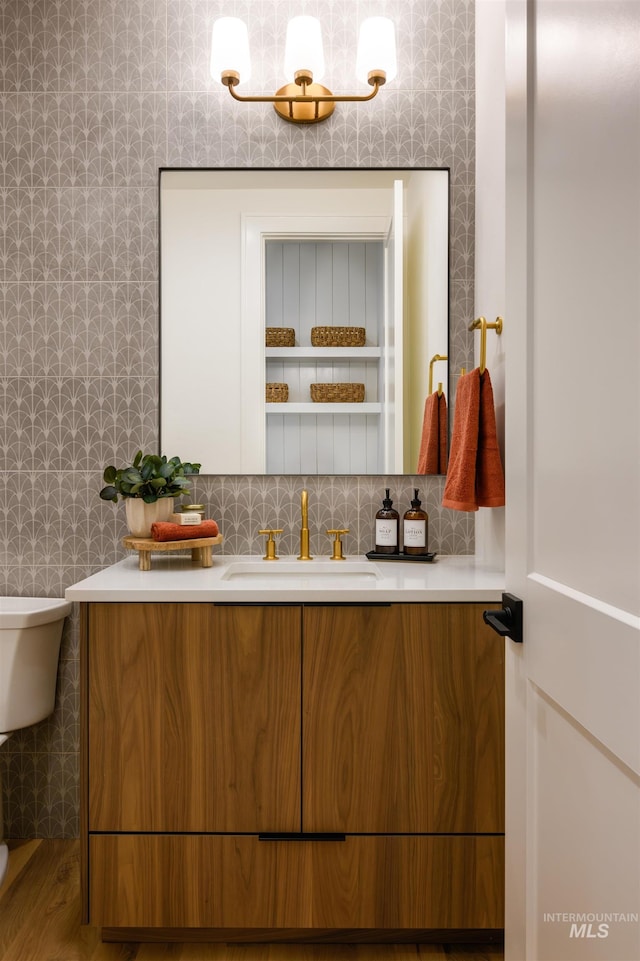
(317, 353)
(313, 408)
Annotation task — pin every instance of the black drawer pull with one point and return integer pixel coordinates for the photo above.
(299, 836)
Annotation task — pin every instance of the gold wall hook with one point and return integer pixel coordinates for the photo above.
(271, 544)
(434, 359)
(337, 544)
(481, 322)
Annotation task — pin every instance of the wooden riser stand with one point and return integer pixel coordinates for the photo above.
(200, 548)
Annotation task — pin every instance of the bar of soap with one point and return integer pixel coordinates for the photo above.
(188, 519)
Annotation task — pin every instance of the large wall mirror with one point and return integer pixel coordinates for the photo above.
(244, 251)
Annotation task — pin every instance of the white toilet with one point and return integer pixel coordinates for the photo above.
(30, 635)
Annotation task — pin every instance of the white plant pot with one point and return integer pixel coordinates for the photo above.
(140, 515)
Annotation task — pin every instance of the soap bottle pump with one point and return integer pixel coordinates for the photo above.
(387, 523)
(415, 525)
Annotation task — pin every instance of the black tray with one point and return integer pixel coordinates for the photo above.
(374, 556)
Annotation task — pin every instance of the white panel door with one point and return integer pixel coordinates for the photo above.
(572, 346)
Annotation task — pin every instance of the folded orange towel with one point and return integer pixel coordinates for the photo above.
(432, 458)
(166, 531)
(475, 477)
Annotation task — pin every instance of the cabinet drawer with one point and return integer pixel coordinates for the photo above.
(237, 881)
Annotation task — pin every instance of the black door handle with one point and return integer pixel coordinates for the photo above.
(508, 621)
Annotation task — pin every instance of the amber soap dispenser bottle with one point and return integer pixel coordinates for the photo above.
(387, 524)
(415, 524)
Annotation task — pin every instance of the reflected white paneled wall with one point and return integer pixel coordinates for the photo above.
(323, 444)
(330, 283)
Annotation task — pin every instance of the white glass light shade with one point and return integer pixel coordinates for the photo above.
(230, 48)
(376, 48)
(303, 50)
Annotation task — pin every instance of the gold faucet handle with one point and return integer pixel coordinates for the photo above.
(271, 544)
(337, 544)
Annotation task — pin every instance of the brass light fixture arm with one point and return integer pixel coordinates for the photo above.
(304, 92)
(305, 98)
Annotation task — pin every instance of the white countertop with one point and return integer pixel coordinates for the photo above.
(249, 579)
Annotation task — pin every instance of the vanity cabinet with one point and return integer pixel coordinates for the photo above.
(284, 771)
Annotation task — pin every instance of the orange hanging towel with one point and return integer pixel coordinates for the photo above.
(460, 487)
(432, 458)
(489, 471)
(429, 445)
(443, 430)
(475, 477)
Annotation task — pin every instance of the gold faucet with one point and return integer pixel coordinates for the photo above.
(304, 530)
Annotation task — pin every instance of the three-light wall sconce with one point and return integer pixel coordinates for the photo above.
(304, 100)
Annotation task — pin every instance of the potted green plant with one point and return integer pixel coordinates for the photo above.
(148, 487)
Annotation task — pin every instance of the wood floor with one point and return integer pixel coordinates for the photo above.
(40, 921)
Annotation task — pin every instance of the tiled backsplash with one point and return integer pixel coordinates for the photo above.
(95, 96)
(244, 505)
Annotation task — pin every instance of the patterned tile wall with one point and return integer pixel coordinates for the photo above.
(95, 95)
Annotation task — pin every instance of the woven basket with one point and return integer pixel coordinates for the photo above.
(337, 393)
(280, 337)
(338, 336)
(277, 393)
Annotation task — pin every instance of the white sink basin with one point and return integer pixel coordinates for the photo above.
(344, 574)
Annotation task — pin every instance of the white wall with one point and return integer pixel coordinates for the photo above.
(490, 236)
(427, 325)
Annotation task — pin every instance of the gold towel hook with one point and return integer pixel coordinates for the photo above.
(481, 322)
(433, 360)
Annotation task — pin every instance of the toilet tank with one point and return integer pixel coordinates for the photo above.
(30, 635)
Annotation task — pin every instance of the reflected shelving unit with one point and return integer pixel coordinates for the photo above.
(291, 356)
(316, 283)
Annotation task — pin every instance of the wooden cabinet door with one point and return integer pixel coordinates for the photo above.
(403, 720)
(194, 718)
